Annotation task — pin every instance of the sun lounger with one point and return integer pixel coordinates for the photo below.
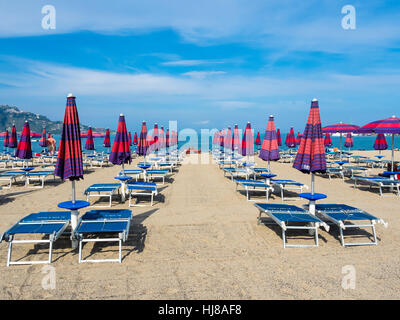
(333, 171)
(237, 172)
(49, 224)
(103, 222)
(227, 163)
(353, 170)
(132, 173)
(255, 186)
(10, 176)
(142, 189)
(102, 190)
(156, 174)
(39, 176)
(289, 217)
(380, 182)
(346, 217)
(288, 185)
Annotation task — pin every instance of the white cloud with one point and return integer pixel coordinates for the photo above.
(188, 63)
(202, 74)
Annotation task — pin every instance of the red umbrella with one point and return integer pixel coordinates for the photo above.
(290, 139)
(340, 128)
(236, 139)
(258, 139)
(278, 137)
(120, 151)
(248, 141)
(348, 143)
(216, 138)
(6, 139)
(107, 142)
(310, 157)
(167, 139)
(388, 125)
(89, 145)
(130, 138)
(13, 138)
(327, 140)
(24, 148)
(222, 138)
(270, 150)
(380, 142)
(228, 139)
(161, 139)
(143, 143)
(135, 139)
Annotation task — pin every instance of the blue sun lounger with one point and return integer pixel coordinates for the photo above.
(103, 222)
(288, 185)
(380, 182)
(49, 224)
(10, 176)
(346, 217)
(142, 189)
(284, 214)
(156, 174)
(39, 176)
(236, 172)
(333, 171)
(132, 173)
(255, 186)
(102, 190)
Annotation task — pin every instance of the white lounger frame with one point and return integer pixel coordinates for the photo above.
(110, 194)
(40, 178)
(289, 187)
(150, 193)
(391, 185)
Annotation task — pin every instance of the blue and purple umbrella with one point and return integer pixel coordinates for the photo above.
(107, 142)
(13, 138)
(24, 148)
(143, 143)
(380, 142)
(248, 141)
(6, 139)
(290, 139)
(348, 143)
(89, 145)
(310, 157)
(269, 149)
(121, 151)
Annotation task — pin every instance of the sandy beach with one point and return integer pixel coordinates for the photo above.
(201, 240)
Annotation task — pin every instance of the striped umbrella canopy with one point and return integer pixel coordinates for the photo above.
(228, 139)
(135, 139)
(269, 149)
(89, 145)
(13, 138)
(340, 128)
(348, 143)
(290, 139)
(121, 151)
(43, 142)
(222, 138)
(143, 143)
(107, 142)
(6, 139)
(298, 138)
(154, 138)
(161, 139)
(69, 160)
(130, 139)
(236, 139)
(258, 139)
(388, 125)
(380, 142)
(327, 140)
(310, 157)
(167, 139)
(278, 137)
(215, 140)
(24, 148)
(248, 141)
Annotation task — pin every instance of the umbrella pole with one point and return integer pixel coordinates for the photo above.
(74, 215)
(392, 151)
(340, 146)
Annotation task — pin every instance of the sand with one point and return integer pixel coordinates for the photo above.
(201, 240)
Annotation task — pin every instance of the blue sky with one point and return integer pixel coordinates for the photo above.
(207, 64)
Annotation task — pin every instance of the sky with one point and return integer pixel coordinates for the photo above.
(206, 64)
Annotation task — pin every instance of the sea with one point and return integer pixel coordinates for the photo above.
(197, 142)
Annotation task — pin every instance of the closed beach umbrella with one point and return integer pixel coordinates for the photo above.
(143, 143)
(89, 145)
(161, 139)
(24, 148)
(310, 157)
(154, 139)
(130, 139)
(248, 141)
(290, 139)
(121, 151)
(270, 150)
(135, 139)
(167, 139)
(348, 143)
(228, 139)
(13, 138)
(380, 142)
(340, 128)
(107, 142)
(222, 138)
(236, 139)
(258, 139)
(69, 160)
(42, 141)
(278, 137)
(215, 140)
(6, 139)
(327, 140)
(389, 125)
(298, 138)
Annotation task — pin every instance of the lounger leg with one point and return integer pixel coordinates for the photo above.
(50, 251)
(374, 233)
(80, 251)
(284, 238)
(341, 236)
(120, 251)
(9, 252)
